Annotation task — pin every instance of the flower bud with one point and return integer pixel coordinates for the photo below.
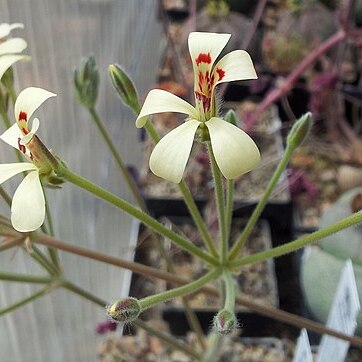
(225, 321)
(124, 87)
(231, 117)
(86, 81)
(124, 310)
(300, 130)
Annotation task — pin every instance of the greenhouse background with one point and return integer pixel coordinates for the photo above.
(61, 326)
(236, 226)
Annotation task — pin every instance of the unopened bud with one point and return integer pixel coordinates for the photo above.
(124, 87)
(124, 310)
(225, 322)
(231, 117)
(86, 81)
(300, 130)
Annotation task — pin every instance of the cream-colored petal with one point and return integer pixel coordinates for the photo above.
(8, 170)
(235, 152)
(12, 46)
(236, 65)
(206, 43)
(12, 135)
(28, 206)
(159, 101)
(169, 157)
(6, 61)
(6, 28)
(30, 99)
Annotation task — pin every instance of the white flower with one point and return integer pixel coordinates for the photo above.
(10, 49)
(235, 152)
(28, 204)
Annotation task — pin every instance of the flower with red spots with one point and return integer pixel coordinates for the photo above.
(28, 204)
(235, 152)
(10, 48)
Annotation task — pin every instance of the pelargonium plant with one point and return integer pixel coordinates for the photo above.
(231, 152)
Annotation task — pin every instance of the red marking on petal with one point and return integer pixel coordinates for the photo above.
(22, 148)
(23, 116)
(221, 73)
(203, 58)
(25, 131)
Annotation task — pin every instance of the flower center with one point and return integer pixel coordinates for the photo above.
(206, 79)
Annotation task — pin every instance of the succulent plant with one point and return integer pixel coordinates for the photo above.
(319, 279)
(322, 265)
(347, 243)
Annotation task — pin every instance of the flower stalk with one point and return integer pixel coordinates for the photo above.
(131, 210)
(219, 196)
(296, 137)
(287, 248)
(193, 286)
(27, 300)
(121, 166)
(25, 278)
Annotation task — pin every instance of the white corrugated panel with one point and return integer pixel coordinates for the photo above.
(60, 327)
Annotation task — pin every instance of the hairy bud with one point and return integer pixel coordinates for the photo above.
(300, 130)
(225, 322)
(124, 310)
(124, 86)
(86, 81)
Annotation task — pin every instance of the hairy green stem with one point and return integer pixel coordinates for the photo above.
(131, 210)
(83, 293)
(199, 221)
(150, 129)
(121, 166)
(190, 314)
(230, 292)
(230, 185)
(53, 253)
(261, 204)
(219, 195)
(12, 243)
(38, 256)
(299, 243)
(26, 300)
(25, 278)
(152, 300)
(214, 344)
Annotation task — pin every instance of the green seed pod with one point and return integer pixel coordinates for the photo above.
(124, 87)
(124, 310)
